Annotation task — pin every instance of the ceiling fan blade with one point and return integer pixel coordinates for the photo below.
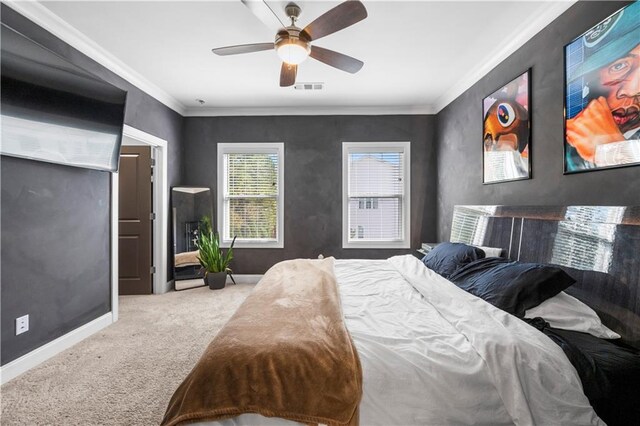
(288, 74)
(263, 12)
(336, 60)
(242, 48)
(338, 18)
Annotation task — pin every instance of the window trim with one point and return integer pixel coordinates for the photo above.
(252, 148)
(351, 147)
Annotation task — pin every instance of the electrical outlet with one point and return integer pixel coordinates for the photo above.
(22, 324)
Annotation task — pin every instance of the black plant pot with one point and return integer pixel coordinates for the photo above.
(215, 280)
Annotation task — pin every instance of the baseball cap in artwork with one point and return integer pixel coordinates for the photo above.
(609, 40)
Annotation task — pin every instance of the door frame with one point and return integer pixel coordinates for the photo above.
(160, 189)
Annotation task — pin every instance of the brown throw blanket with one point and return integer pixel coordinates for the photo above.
(285, 353)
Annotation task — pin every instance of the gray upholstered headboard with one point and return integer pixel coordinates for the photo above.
(598, 245)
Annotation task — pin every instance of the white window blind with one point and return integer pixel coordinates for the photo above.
(585, 240)
(470, 224)
(463, 227)
(251, 194)
(376, 194)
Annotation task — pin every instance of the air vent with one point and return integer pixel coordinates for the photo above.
(309, 86)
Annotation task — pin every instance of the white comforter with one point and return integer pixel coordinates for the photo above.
(433, 354)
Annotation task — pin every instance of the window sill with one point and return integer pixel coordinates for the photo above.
(376, 245)
(247, 245)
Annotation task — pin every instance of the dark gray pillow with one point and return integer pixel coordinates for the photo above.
(447, 258)
(511, 286)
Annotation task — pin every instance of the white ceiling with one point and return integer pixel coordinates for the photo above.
(418, 55)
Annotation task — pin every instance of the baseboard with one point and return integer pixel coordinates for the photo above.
(168, 286)
(246, 278)
(198, 282)
(43, 353)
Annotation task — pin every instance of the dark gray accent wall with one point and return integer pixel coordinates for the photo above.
(313, 176)
(459, 132)
(55, 250)
(55, 220)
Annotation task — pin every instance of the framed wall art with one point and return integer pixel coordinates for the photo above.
(506, 134)
(602, 94)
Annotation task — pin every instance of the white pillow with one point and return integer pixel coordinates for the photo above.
(568, 313)
(491, 251)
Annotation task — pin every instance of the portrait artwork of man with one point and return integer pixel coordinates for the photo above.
(602, 97)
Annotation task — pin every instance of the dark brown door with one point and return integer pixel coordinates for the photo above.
(135, 220)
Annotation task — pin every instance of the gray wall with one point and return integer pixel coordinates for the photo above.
(55, 251)
(313, 176)
(459, 132)
(56, 221)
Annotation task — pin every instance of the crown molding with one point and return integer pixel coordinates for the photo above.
(307, 110)
(532, 26)
(51, 22)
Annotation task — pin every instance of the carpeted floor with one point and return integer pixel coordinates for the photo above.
(125, 374)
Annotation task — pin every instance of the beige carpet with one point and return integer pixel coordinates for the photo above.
(125, 374)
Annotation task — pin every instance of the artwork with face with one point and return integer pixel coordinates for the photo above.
(602, 94)
(506, 132)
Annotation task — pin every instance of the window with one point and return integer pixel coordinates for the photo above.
(375, 187)
(470, 224)
(250, 194)
(582, 242)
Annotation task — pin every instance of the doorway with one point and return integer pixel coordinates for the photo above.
(160, 201)
(135, 217)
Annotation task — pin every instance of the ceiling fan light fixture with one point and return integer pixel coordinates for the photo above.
(293, 44)
(292, 50)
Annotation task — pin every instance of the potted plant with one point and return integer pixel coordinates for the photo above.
(212, 259)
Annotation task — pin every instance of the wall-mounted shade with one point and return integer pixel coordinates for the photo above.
(55, 112)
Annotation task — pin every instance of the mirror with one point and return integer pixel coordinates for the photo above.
(190, 204)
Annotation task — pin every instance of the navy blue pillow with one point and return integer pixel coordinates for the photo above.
(511, 286)
(447, 258)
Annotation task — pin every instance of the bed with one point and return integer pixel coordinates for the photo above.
(432, 353)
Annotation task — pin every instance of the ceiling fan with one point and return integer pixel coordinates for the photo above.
(293, 44)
